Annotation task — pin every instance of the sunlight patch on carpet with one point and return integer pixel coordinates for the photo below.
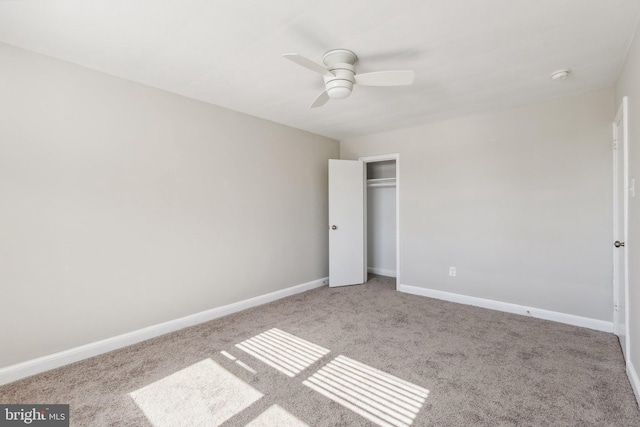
(276, 416)
(203, 394)
(245, 366)
(381, 398)
(282, 351)
(238, 362)
(228, 355)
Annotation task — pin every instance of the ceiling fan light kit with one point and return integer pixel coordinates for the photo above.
(339, 75)
(339, 89)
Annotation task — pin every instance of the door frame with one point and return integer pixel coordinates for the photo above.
(621, 116)
(373, 159)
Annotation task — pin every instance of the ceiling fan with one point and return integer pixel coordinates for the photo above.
(340, 75)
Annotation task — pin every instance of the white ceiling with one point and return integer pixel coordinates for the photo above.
(468, 55)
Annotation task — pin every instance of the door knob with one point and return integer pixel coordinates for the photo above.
(618, 243)
(334, 227)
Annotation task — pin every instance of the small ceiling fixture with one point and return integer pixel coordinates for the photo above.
(560, 74)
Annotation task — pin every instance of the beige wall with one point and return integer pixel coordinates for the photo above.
(122, 206)
(519, 201)
(629, 85)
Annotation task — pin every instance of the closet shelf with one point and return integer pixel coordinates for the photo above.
(381, 182)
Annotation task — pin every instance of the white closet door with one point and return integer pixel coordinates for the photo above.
(346, 223)
(620, 222)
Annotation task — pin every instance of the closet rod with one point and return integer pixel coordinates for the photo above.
(381, 182)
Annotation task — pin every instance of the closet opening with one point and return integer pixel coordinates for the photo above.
(381, 215)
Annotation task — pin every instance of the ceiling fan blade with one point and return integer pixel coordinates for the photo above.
(307, 63)
(385, 78)
(320, 100)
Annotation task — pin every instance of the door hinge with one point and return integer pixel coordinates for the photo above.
(615, 145)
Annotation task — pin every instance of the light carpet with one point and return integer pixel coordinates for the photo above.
(352, 356)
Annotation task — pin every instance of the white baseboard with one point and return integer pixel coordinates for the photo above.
(382, 271)
(634, 380)
(45, 363)
(585, 322)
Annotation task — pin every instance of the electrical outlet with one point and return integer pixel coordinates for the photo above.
(452, 271)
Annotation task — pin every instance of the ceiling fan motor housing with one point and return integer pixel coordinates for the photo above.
(340, 63)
